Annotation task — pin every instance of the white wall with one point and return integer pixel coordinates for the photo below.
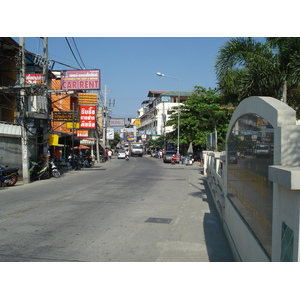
(285, 175)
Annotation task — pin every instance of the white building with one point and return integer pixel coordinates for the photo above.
(156, 111)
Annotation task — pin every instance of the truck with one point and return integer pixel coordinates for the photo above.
(136, 148)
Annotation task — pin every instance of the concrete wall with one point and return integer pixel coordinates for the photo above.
(285, 175)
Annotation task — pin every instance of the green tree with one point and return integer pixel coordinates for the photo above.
(116, 140)
(200, 114)
(157, 143)
(245, 68)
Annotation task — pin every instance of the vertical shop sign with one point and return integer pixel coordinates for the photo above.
(88, 116)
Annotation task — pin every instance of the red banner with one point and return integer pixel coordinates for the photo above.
(87, 116)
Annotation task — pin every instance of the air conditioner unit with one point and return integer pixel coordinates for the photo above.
(37, 104)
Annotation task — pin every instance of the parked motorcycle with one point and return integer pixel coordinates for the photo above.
(76, 164)
(54, 170)
(8, 176)
(43, 171)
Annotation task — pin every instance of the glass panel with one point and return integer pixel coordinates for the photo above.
(287, 243)
(250, 152)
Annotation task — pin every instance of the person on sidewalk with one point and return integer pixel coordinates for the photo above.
(109, 155)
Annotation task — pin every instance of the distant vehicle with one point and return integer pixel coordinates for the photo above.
(167, 157)
(137, 149)
(121, 154)
(232, 157)
(125, 146)
(262, 150)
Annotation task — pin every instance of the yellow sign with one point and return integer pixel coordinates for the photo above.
(70, 125)
(52, 139)
(85, 98)
(137, 122)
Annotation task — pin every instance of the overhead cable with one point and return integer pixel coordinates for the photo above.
(78, 52)
(73, 53)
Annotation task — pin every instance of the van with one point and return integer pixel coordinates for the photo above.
(262, 151)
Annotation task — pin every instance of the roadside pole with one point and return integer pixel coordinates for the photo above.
(45, 94)
(22, 114)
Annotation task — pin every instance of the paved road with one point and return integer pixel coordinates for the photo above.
(137, 211)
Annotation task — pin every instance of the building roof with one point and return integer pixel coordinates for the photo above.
(176, 93)
(155, 93)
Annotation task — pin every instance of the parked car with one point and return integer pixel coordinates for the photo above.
(167, 157)
(121, 154)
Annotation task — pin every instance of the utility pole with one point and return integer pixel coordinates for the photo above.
(45, 73)
(22, 114)
(105, 111)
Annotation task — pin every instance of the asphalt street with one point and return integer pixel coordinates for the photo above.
(137, 211)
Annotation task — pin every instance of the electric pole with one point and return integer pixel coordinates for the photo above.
(45, 94)
(105, 111)
(22, 113)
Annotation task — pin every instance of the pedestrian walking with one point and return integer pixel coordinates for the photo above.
(109, 155)
(160, 154)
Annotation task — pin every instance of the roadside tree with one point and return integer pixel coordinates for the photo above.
(200, 114)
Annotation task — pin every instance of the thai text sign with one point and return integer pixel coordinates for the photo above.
(87, 116)
(87, 99)
(71, 125)
(82, 133)
(35, 78)
(65, 116)
(80, 80)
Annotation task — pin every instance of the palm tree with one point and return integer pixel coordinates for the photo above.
(246, 68)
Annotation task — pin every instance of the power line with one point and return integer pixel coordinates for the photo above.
(73, 53)
(78, 52)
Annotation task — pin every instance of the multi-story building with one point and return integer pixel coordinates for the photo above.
(23, 116)
(156, 111)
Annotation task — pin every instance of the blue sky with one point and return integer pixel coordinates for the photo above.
(128, 65)
(129, 41)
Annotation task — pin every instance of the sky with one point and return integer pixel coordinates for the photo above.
(130, 41)
(128, 65)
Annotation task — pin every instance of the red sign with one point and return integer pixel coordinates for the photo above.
(80, 80)
(34, 78)
(87, 116)
(82, 133)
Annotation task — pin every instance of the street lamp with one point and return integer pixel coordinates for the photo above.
(178, 127)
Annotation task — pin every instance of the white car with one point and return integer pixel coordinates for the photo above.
(121, 154)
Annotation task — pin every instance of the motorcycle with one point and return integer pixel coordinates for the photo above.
(39, 171)
(76, 164)
(127, 157)
(54, 170)
(8, 176)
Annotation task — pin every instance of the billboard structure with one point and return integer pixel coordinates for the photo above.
(117, 122)
(88, 116)
(87, 99)
(80, 80)
(110, 134)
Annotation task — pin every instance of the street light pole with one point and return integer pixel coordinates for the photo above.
(178, 127)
